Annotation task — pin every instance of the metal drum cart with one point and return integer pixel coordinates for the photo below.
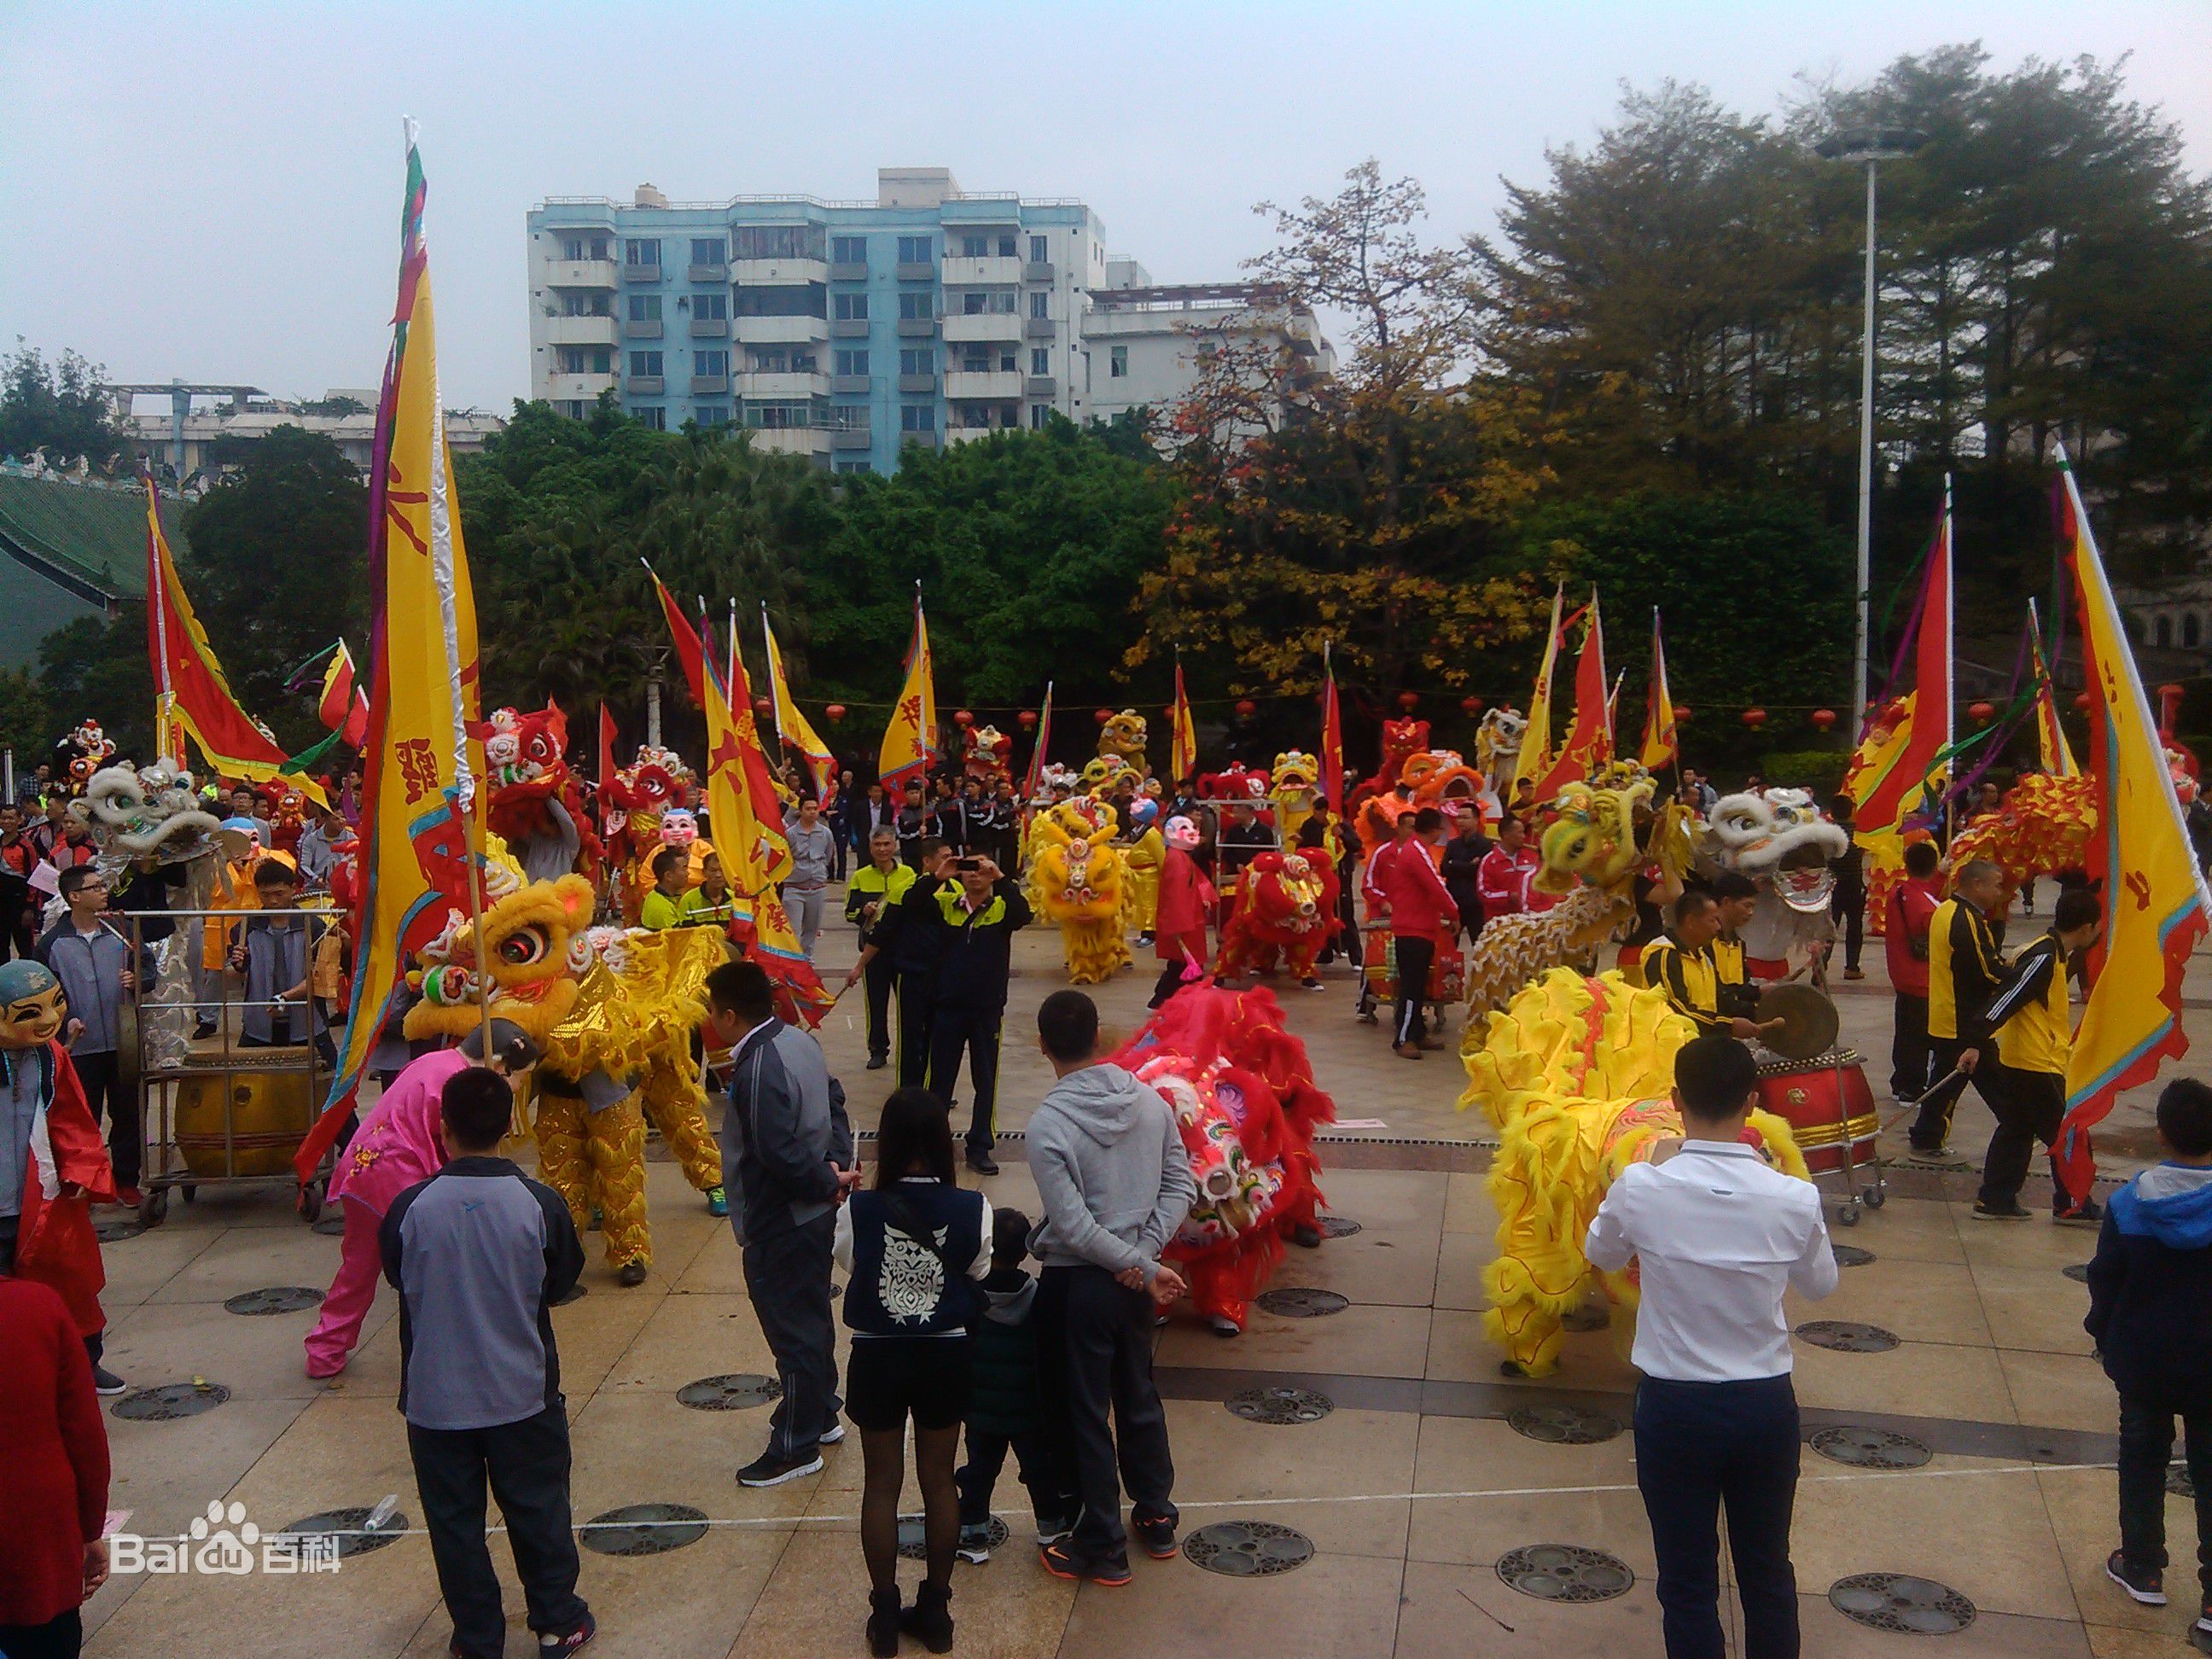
(1820, 1089)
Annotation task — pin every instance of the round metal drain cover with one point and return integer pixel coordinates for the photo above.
(115, 1231)
(1565, 1572)
(1589, 1317)
(1850, 1256)
(1870, 1448)
(1897, 1601)
(330, 1226)
(354, 1535)
(170, 1401)
(1281, 1406)
(1337, 1226)
(1247, 1549)
(913, 1542)
(1564, 1425)
(2177, 1479)
(577, 1292)
(276, 1300)
(1848, 1336)
(735, 1391)
(644, 1530)
(2079, 1272)
(1301, 1302)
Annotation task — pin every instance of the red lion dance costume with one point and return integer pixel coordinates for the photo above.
(1284, 907)
(536, 805)
(1246, 1101)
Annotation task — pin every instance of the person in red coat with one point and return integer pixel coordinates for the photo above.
(1186, 899)
(1423, 918)
(53, 1165)
(53, 1481)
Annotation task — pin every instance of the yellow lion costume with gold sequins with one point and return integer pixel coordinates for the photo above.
(1576, 1074)
(1080, 879)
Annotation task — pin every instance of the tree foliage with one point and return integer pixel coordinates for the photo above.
(56, 406)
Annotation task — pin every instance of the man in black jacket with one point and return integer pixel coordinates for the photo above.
(971, 909)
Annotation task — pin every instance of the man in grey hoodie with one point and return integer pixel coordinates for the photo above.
(1114, 1183)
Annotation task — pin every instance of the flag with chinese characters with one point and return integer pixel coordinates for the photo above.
(1892, 767)
(191, 696)
(791, 726)
(1183, 735)
(909, 748)
(1661, 744)
(1587, 748)
(419, 797)
(2053, 753)
(1535, 757)
(2139, 859)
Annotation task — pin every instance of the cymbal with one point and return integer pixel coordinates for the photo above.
(1810, 1024)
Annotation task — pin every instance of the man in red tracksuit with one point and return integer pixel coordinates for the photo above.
(1904, 943)
(1422, 914)
(1502, 878)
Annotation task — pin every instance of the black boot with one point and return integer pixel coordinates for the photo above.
(930, 1618)
(883, 1621)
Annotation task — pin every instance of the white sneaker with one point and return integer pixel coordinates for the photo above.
(830, 1435)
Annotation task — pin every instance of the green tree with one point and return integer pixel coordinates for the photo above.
(57, 407)
(95, 667)
(26, 719)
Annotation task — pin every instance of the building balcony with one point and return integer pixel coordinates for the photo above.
(784, 388)
(578, 273)
(1042, 386)
(791, 440)
(713, 274)
(852, 437)
(709, 385)
(847, 271)
(779, 273)
(1040, 271)
(918, 439)
(580, 330)
(781, 330)
(983, 325)
(995, 386)
(646, 275)
(913, 271)
(646, 385)
(1039, 328)
(918, 383)
(917, 328)
(851, 385)
(642, 329)
(710, 328)
(563, 388)
(849, 328)
(991, 271)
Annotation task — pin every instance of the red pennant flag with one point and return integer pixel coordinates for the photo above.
(689, 651)
(1332, 739)
(606, 746)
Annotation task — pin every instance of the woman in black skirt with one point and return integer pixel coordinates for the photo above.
(916, 1246)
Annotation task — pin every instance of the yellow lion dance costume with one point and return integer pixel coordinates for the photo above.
(1080, 879)
(1576, 1075)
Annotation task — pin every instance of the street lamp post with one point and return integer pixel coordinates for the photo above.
(1869, 147)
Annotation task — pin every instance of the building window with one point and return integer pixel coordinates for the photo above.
(645, 363)
(849, 249)
(709, 251)
(780, 360)
(587, 360)
(2190, 636)
(710, 416)
(2164, 633)
(779, 417)
(1010, 248)
(584, 302)
(916, 250)
(1038, 303)
(854, 466)
(711, 308)
(849, 307)
(1009, 364)
(641, 252)
(779, 241)
(710, 362)
(585, 247)
(644, 307)
(849, 417)
(799, 300)
(1040, 250)
(1040, 360)
(917, 418)
(917, 307)
(974, 360)
(918, 361)
(1010, 415)
(1039, 414)
(1117, 363)
(574, 408)
(652, 414)
(852, 362)
(974, 247)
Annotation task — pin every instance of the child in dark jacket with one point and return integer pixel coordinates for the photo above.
(2150, 1314)
(1002, 1413)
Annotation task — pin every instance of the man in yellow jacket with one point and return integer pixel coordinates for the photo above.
(1965, 969)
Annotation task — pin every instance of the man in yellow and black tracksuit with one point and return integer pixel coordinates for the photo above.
(870, 898)
(1965, 969)
(2016, 1050)
(971, 910)
(1679, 962)
(1738, 896)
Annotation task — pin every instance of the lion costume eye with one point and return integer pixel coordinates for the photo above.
(525, 947)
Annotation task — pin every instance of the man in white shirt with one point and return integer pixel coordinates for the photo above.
(1720, 1237)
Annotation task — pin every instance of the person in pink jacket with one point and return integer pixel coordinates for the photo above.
(1186, 899)
(397, 1144)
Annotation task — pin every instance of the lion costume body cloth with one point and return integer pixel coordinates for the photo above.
(1282, 909)
(1080, 879)
(1575, 1074)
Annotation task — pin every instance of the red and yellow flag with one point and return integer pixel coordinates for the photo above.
(1661, 744)
(1032, 780)
(791, 726)
(910, 740)
(1332, 736)
(341, 707)
(1183, 734)
(1588, 746)
(2053, 753)
(1892, 770)
(2156, 907)
(1535, 758)
(419, 798)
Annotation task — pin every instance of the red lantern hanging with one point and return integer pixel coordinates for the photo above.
(1681, 713)
(2082, 701)
(1246, 709)
(1824, 718)
(762, 706)
(1981, 713)
(1028, 718)
(1102, 715)
(835, 711)
(1409, 701)
(1754, 718)
(1470, 706)
(963, 717)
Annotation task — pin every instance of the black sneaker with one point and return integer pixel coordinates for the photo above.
(769, 1469)
(2087, 1213)
(1051, 1528)
(2007, 1210)
(1157, 1536)
(981, 1161)
(2203, 1624)
(974, 1546)
(1108, 1571)
(877, 1062)
(2147, 1586)
(104, 1382)
(1930, 1154)
(572, 1640)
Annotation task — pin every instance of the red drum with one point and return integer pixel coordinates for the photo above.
(1817, 1098)
(1447, 975)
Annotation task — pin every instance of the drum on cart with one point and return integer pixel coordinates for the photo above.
(1379, 952)
(1828, 1105)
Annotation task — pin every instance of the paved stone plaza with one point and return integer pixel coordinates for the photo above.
(1410, 1490)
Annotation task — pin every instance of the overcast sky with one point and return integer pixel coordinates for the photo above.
(212, 191)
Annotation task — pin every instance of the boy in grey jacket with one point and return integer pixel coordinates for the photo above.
(1114, 1183)
(98, 972)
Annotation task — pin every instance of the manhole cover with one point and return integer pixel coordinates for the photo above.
(330, 1226)
(1301, 1302)
(1588, 1316)
(1870, 1448)
(2079, 1272)
(1897, 1601)
(913, 1544)
(1850, 1256)
(276, 1300)
(2177, 1480)
(1848, 1336)
(1564, 1425)
(1337, 1226)
(1281, 1406)
(1565, 1572)
(115, 1231)
(354, 1535)
(644, 1530)
(170, 1401)
(736, 1391)
(577, 1292)
(1247, 1549)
